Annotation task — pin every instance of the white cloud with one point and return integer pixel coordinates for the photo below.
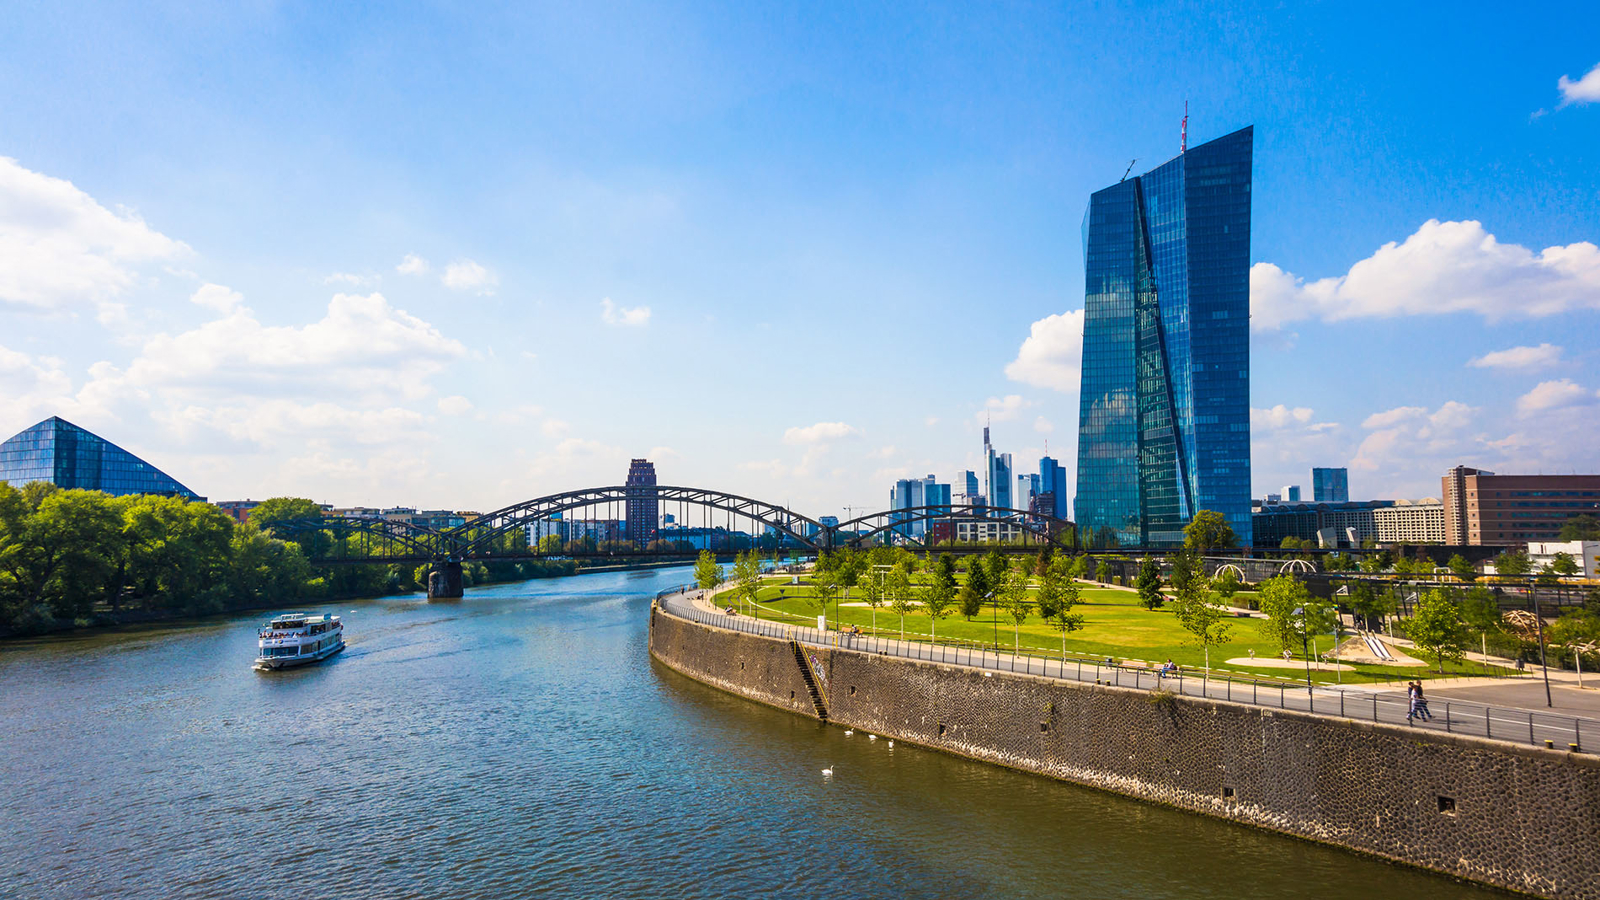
(612, 314)
(1043, 425)
(1052, 353)
(1405, 437)
(1445, 267)
(818, 433)
(931, 421)
(455, 405)
(1002, 409)
(882, 453)
(1584, 90)
(1279, 416)
(466, 275)
(58, 247)
(350, 278)
(1552, 395)
(31, 388)
(216, 297)
(554, 428)
(412, 265)
(1519, 358)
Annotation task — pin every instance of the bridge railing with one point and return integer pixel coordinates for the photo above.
(1518, 725)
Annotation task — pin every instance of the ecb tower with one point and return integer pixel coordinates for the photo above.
(1164, 411)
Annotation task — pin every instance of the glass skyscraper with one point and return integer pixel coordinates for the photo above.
(67, 456)
(1164, 412)
(1053, 481)
(1330, 485)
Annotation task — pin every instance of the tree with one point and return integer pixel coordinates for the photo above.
(550, 545)
(1369, 604)
(1150, 584)
(824, 590)
(747, 575)
(1280, 597)
(1063, 619)
(1051, 581)
(1437, 629)
(1202, 618)
(1582, 527)
(871, 584)
(1187, 572)
(1208, 530)
(975, 590)
(940, 592)
(898, 586)
(996, 566)
(1225, 584)
(707, 574)
(1562, 563)
(1512, 562)
(1014, 597)
(277, 510)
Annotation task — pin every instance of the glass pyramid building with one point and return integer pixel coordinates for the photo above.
(63, 454)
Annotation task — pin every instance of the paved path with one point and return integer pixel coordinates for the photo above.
(1384, 704)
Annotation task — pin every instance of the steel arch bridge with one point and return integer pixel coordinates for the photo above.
(503, 534)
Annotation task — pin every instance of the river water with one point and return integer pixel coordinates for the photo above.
(521, 743)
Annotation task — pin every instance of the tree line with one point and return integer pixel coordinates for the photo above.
(73, 557)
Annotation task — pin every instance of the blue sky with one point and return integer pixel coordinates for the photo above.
(461, 257)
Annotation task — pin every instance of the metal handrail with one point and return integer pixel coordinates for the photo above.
(1454, 717)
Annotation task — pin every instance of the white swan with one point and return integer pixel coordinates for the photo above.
(849, 731)
(872, 737)
(891, 745)
(828, 772)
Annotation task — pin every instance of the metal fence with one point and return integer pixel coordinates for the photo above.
(1452, 716)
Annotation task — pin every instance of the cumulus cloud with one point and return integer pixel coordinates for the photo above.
(1052, 353)
(59, 247)
(351, 279)
(634, 316)
(216, 297)
(454, 405)
(1552, 395)
(412, 265)
(1519, 358)
(1279, 416)
(1402, 436)
(1002, 409)
(31, 388)
(466, 275)
(1445, 267)
(818, 433)
(1584, 90)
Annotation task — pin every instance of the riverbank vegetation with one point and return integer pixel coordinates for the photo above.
(75, 558)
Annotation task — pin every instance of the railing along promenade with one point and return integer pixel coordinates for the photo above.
(1521, 726)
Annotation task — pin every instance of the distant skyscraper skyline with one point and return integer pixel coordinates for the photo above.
(1053, 481)
(1164, 409)
(997, 476)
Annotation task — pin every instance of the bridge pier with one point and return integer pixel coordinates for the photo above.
(444, 581)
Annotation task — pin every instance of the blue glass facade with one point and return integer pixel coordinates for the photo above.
(60, 452)
(1053, 481)
(1330, 485)
(1164, 412)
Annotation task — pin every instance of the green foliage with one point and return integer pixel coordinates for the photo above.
(1582, 527)
(747, 575)
(996, 566)
(1150, 584)
(1437, 629)
(1225, 584)
(1481, 611)
(707, 573)
(1280, 596)
(897, 586)
(1013, 595)
(550, 544)
(975, 591)
(1208, 530)
(1462, 569)
(1512, 562)
(1576, 628)
(1199, 615)
(1562, 563)
(940, 591)
(824, 588)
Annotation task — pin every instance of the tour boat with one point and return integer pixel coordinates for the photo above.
(294, 639)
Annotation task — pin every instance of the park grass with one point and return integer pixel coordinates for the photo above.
(1115, 626)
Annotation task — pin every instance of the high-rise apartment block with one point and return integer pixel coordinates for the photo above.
(1481, 507)
(643, 507)
(1330, 485)
(1164, 414)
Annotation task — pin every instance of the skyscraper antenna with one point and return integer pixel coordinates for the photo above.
(1183, 142)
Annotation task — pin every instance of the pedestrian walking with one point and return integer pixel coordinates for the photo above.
(1422, 704)
(1413, 694)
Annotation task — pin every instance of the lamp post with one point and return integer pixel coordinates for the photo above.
(1300, 611)
(1539, 620)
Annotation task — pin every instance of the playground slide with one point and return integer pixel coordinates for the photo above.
(1377, 647)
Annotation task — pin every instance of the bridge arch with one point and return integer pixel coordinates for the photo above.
(878, 525)
(395, 541)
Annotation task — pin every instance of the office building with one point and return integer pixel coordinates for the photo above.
(1053, 481)
(909, 493)
(643, 507)
(237, 510)
(1028, 487)
(1291, 493)
(1164, 410)
(1411, 521)
(67, 456)
(1481, 507)
(1330, 485)
(1327, 524)
(997, 487)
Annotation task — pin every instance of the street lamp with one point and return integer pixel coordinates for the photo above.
(1540, 622)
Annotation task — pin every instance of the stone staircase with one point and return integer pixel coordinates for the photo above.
(817, 700)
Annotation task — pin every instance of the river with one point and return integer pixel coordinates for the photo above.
(521, 743)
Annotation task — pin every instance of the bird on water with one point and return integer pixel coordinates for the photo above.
(828, 772)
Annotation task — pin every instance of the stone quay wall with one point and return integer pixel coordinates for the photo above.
(1516, 817)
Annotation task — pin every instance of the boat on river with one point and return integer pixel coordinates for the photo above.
(295, 639)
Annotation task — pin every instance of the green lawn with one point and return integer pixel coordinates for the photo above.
(1115, 626)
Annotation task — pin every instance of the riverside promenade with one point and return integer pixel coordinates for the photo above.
(1369, 703)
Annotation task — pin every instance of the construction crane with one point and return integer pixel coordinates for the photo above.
(1125, 174)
